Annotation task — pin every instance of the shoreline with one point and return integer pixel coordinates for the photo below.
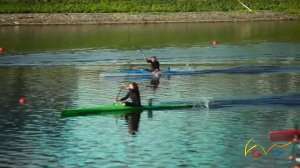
(140, 18)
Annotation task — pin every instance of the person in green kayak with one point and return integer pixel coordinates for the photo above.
(133, 93)
(154, 64)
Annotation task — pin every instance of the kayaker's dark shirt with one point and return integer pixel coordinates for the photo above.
(154, 65)
(134, 95)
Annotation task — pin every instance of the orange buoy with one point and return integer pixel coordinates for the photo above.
(22, 100)
(1, 50)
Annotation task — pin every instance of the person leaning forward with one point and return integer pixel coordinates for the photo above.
(154, 64)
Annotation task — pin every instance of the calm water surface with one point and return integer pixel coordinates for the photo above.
(251, 86)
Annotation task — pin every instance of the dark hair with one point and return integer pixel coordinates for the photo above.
(135, 86)
(154, 57)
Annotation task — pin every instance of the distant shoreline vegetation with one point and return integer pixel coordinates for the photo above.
(144, 6)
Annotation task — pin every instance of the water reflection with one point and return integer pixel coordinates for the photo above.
(46, 91)
(42, 87)
(154, 82)
(133, 121)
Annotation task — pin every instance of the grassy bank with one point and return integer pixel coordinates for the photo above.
(120, 6)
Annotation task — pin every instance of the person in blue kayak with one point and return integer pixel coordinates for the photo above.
(154, 64)
(133, 93)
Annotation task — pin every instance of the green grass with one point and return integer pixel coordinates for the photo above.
(110, 6)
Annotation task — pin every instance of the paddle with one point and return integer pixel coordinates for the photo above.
(187, 65)
(150, 102)
(142, 52)
(117, 96)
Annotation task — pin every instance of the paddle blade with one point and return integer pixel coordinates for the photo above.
(141, 52)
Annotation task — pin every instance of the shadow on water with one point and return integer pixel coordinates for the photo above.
(256, 70)
(287, 101)
(139, 74)
(290, 101)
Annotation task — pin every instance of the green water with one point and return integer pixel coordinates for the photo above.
(16, 39)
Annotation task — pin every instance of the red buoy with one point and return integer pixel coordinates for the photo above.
(22, 100)
(215, 42)
(1, 50)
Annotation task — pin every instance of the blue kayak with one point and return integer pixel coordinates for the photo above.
(146, 72)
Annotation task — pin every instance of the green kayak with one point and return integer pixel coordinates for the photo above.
(119, 109)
